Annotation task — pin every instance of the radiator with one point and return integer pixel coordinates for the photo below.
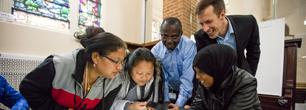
(14, 67)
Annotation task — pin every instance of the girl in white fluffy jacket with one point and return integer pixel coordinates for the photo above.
(142, 81)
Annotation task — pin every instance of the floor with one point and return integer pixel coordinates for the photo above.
(300, 106)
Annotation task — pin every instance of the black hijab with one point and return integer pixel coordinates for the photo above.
(217, 61)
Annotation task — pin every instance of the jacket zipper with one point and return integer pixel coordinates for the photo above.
(81, 94)
(215, 98)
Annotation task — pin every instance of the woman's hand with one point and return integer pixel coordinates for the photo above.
(70, 109)
(187, 106)
(138, 106)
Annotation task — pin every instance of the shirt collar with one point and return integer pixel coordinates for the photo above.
(230, 27)
(229, 30)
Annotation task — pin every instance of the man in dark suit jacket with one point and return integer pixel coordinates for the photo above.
(237, 31)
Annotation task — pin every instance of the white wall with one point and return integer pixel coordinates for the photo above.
(245, 7)
(19, 38)
(120, 17)
(301, 60)
(158, 10)
(295, 13)
(123, 18)
(149, 16)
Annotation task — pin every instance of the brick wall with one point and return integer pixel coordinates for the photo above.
(182, 9)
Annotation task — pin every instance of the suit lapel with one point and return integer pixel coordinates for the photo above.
(238, 37)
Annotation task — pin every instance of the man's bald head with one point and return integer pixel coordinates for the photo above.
(171, 21)
(171, 32)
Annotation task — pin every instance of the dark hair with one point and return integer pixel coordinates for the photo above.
(217, 4)
(171, 21)
(97, 40)
(133, 59)
(140, 54)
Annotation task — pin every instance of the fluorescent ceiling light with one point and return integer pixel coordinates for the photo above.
(305, 22)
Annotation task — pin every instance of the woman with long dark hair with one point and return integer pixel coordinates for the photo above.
(85, 78)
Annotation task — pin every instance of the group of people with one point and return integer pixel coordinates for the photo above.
(211, 74)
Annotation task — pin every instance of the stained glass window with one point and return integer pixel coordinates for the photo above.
(45, 13)
(89, 14)
(155, 31)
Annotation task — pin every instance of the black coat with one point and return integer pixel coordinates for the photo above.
(235, 93)
(247, 37)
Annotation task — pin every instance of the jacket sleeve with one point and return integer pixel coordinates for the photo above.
(197, 103)
(36, 87)
(253, 49)
(246, 97)
(120, 104)
(108, 100)
(187, 76)
(10, 97)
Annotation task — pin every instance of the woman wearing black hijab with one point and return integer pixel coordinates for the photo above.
(222, 85)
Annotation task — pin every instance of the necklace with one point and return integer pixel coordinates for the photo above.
(89, 87)
(86, 81)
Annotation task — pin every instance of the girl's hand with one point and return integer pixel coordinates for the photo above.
(138, 106)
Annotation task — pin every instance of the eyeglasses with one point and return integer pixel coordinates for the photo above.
(165, 37)
(114, 61)
(172, 37)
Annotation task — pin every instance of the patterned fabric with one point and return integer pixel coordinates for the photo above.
(14, 70)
